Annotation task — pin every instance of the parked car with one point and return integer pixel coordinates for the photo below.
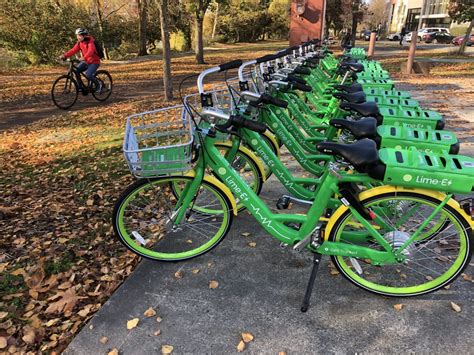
(427, 30)
(394, 36)
(365, 35)
(457, 41)
(438, 37)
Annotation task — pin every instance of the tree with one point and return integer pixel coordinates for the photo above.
(165, 39)
(142, 26)
(462, 11)
(199, 8)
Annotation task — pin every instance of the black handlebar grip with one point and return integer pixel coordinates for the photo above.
(268, 99)
(281, 54)
(230, 65)
(255, 126)
(266, 58)
(301, 87)
(295, 79)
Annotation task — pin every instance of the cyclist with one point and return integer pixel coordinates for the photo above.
(89, 60)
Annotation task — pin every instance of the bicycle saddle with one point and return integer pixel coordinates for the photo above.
(362, 154)
(302, 70)
(355, 67)
(365, 109)
(349, 88)
(364, 128)
(357, 97)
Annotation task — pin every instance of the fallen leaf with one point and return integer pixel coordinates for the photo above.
(282, 353)
(132, 323)
(241, 346)
(3, 342)
(467, 277)
(104, 340)
(157, 333)
(178, 274)
(3, 315)
(114, 351)
(213, 284)
(398, 306)
(195, 271)
(150, 312)
(166, 349)
(334, 272)
(247, 337)
(159, 319)
(456, 307)
(245, 234)
(29, 336)
(67, 302)
(252, 244)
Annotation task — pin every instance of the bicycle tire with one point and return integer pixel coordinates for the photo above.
(147, 202)
(68, 81)
(106, 88)
(397, 277)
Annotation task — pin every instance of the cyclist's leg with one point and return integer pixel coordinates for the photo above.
(90, 74)
(81, 67)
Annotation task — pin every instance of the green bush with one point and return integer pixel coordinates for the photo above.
(178, 41)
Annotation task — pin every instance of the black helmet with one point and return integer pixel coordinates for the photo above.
(82, 31)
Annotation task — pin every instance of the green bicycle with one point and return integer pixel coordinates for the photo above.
(370, 238)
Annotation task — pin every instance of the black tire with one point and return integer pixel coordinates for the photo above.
(105, 79)
(393, 273)
(64, 92)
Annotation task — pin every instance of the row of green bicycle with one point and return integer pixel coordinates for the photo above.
(382, 174)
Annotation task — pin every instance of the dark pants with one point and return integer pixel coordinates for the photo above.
(90, 70)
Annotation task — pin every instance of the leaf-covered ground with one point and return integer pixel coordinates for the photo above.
(59, 179)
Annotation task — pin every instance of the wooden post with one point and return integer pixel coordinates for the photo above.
(411, 53)
(371, 51)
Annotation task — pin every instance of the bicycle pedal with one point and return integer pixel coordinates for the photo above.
(283, 203)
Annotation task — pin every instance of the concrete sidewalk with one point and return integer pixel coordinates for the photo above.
(260, 291)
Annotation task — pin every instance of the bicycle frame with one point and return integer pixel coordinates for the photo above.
(274, 223)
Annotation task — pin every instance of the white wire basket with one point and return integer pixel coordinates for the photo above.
(159, 142)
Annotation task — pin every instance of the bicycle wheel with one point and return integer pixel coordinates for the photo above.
(105, 80)
(64, 92)
(431, 262)
(144, 214)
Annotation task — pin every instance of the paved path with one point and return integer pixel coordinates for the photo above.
(260, 291)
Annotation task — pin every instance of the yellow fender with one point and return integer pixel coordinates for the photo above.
(389, 188)
(250, 154)
(271, 138)
(213, 181)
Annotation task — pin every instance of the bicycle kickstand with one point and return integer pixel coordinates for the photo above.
(309, 288)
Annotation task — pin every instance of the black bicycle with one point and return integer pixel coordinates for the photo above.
(66, 88)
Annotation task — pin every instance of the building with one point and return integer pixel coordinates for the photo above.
(406, 13)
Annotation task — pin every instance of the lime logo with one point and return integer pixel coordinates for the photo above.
(275, 125)
(278, 112)
(254, 142)
(407, 178)
(222, 171)
(399, 147)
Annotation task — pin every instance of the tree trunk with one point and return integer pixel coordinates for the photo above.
(216, 17)
(199, 50)
(354, 29)
(142, 20)
(462, 48)
(100, 22)
(165, 39)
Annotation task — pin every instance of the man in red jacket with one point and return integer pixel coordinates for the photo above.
(90, 60)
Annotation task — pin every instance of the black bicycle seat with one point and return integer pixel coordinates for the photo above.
(354, 67)
(365, 109)
(362, 154)
(357, 97)
(364, 128)
(302, 70)
(349, 88)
